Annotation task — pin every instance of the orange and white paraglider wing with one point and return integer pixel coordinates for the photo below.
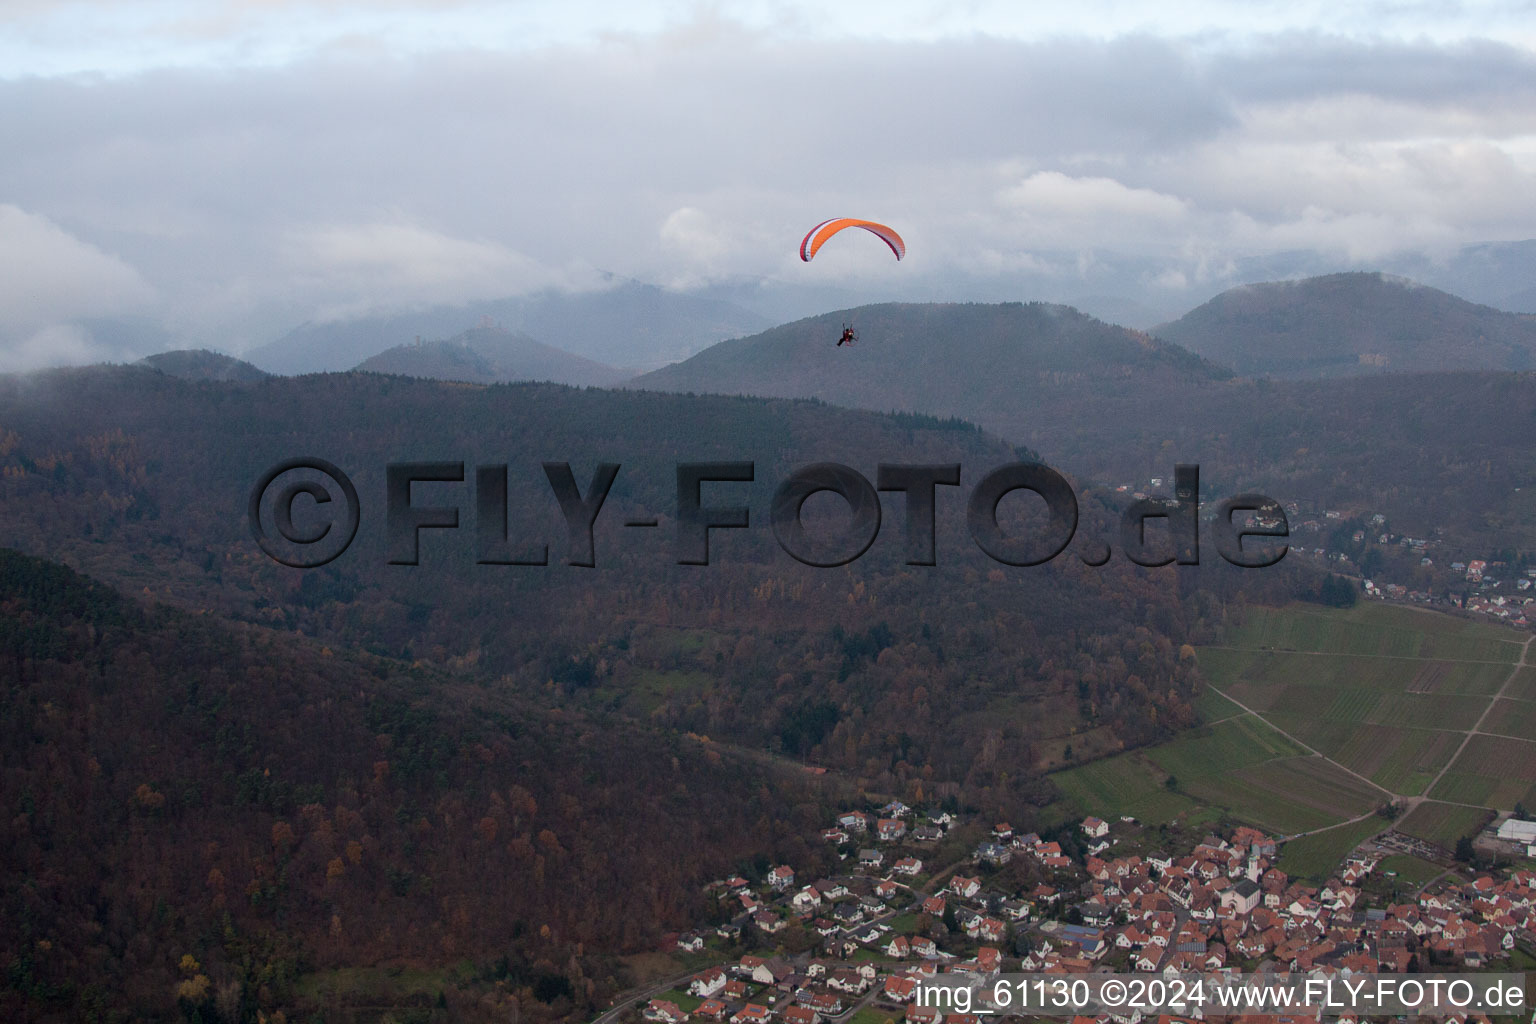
(818, 235)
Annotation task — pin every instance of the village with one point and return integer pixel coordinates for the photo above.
(1487, 586)
(1099, 898)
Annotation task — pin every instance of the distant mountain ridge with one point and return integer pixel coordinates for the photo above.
(491, 355)
(1350, 324)
(632, 324)
(646, 326)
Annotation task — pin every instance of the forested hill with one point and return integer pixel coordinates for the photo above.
(971, 360)
(247, 772)
(1442, 453)
(202, 364)
(1351, 324)
(967, 678)
(202, 810)
(489, 355)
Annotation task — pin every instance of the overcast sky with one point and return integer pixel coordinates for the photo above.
(231, 168)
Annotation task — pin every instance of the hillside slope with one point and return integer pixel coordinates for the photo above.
(179, 787)
(1347, 324)
(956, 674)
(974, 361)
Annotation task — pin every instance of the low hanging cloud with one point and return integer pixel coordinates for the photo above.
(257, 197)
(1058, 208)
(401, 264)
(48, 275)
(50, 280)
(56, 345)
(697, 243)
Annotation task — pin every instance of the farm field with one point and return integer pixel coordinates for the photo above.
(1495, 771)
(1398, 759)
(1384, 692)
(1121, 785)
(1213, 707)
(1512, 718)
(1318, 856)
(1241, 766)
(1376, 629)
(1387, 692)
(1410, 871)
(1287, 796)
(1225, 747)
(1523, 686)
(1261, 674)
(1442, 824)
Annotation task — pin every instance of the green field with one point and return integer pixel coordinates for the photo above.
(1288, 796)
(1395, 720)
(1250, 769)
(1411, 872)
(1495, 771)
(1387, 692)
(1318, 856)
(869, 1015)
(379, 985)
(1375, 629)
(685, 1002)
(1512, 718)
(648, 690)
(1398, 759)
(1350, 684)
(1443, 824)
(1465, 788)
(1222, 748)
(1240, 765)
(1125, 784)
(1523, 686)
(1213, 707)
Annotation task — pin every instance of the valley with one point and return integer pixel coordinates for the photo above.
(432, 779)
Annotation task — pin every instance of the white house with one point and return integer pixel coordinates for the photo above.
(963, 886)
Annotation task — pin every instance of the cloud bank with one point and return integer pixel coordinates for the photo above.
(233, 203)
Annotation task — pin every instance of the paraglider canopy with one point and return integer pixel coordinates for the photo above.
(818, 235)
